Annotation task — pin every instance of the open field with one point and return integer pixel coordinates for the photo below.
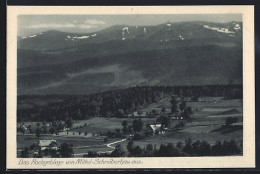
(102, 125)
(175, 137)
(28, 140)
(202, 126)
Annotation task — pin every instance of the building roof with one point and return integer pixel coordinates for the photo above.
(155, 126)
(44, 143)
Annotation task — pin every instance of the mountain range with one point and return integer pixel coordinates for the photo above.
(184, 53)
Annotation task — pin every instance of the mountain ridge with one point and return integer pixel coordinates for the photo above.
(59, 31)
(187, 53)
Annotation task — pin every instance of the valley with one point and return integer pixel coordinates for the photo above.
(206, 125)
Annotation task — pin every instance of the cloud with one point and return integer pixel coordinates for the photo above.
(58, 26)
(85, 26)
(95, 22)
(52, 25)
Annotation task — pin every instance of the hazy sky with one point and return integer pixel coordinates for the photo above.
(31, 24)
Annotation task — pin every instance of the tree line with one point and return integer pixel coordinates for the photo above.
(113, 103)
(65, 150)
(197, 148)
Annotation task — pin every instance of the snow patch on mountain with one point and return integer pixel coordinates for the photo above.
(144, 30)
(169, 25)
(181, 37)
(126, 28)
(80, 37)
(93, 35)
(29, 36)
(237, 27)
(77, 37)
(221, 30)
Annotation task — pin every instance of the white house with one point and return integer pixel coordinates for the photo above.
(46, 144)
(157, 128)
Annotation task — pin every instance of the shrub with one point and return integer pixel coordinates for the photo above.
(231, 120)
(91, 154)
(180, 145)
(66, 150)
(118, 151)
(138, 137)
(180, 125)
(33, 146)
(25, 152)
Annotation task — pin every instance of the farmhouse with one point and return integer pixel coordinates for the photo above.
(138, 114)
(177, 117)
(65, 129)
(47, 144)
(157, 129)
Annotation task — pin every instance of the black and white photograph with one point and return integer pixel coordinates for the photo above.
(106, 86)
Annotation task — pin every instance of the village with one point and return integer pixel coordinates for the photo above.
(156, 123)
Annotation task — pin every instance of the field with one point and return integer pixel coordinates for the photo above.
(102, 125)
(206, 124)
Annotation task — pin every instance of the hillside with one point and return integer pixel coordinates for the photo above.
(189, 53)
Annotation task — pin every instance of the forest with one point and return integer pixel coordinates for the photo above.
(113, 103)
(189, 148)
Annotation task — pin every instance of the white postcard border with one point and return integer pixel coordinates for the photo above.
(245, 161)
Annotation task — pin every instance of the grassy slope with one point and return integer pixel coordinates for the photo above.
(202, 65)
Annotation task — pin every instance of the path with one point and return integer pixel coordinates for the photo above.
(107, 145)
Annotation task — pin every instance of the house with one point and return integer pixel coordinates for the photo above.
(177, 117)
(139, 114)
(23, 127)
(142, 113)
(65, 129)
(135, 114)
(130, 137)
(43, 144)
(157, 129)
